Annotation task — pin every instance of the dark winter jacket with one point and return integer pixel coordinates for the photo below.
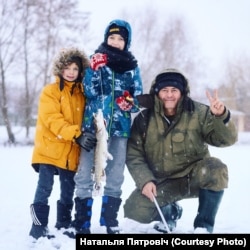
(168, 151)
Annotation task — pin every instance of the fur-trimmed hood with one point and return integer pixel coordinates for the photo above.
(66, 56)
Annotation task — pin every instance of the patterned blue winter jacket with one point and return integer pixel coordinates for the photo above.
(101, 89)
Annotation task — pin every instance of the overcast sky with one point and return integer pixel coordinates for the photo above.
(222, 26)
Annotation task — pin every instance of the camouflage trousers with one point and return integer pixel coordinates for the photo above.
(210, 173)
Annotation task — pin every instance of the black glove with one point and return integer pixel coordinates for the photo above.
(86, 140)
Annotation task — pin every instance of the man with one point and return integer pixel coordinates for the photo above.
(168, 154)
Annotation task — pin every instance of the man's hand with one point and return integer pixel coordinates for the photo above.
(216, 106)
(149, 190)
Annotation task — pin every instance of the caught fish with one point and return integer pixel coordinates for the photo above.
(101, 151)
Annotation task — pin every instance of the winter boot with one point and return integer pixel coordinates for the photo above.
(209, 202)
(39, 215)
(82, 217)
(172, 212)
(63, 215)
(109, 213)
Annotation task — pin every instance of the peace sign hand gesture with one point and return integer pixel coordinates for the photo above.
(216, 106)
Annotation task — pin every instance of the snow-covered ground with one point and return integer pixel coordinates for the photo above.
(18, 182)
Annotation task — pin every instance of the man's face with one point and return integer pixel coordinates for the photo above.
(170, 96)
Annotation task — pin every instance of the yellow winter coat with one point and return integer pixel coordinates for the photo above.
(59, 121)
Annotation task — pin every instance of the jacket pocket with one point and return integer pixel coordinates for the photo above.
(52, 148)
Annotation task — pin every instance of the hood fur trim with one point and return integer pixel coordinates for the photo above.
(64, 57)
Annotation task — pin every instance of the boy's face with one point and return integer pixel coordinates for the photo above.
(117, 41)
(70, 72)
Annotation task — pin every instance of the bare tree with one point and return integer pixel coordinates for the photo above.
(28, 43)
(162, 42)
(9, 48)
(235, 90)
(46, 25)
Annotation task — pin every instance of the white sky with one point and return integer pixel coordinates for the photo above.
(222, 26)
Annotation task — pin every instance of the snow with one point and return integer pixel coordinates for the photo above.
(18, 183)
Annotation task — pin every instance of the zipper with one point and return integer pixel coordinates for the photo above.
(112, 106)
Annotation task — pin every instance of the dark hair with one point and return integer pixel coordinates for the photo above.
(78, 61)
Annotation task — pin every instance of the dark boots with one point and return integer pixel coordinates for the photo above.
(209, 202)
(172, 212)
(109, 213)
(63, 215)
(83, 208)
(39, 215)
(83, 215)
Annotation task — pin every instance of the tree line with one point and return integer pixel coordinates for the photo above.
(32, 31)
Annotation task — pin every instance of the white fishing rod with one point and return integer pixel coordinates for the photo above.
(161, 214)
